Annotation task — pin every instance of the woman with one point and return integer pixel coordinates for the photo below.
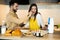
(35, 20)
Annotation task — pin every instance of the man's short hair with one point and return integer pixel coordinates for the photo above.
(12, 2)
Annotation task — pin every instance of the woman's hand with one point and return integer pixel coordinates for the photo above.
(44, 28)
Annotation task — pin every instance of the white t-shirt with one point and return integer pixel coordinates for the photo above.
(39, 21)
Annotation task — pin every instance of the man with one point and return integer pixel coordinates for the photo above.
(12, 19)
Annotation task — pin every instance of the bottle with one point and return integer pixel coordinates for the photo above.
(50, 25)
(3, 28)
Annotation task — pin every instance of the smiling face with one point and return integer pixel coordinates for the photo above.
(15, 7)
(33, 9)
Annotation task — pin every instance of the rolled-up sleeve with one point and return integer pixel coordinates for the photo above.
(27, 25)
(39, 20)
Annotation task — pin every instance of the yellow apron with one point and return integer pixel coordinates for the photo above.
(33, 24)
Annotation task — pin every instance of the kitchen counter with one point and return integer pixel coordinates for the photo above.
(55, 36)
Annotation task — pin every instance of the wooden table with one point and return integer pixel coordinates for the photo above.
(55, 36)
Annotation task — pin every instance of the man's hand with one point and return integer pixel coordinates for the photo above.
(30, 14)
(22, 24)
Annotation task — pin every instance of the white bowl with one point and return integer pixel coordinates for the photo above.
(24, 31)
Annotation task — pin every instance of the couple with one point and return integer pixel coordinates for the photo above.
(34, 18)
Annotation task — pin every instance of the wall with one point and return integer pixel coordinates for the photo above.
(38, 1)
(23, 11)
(3, 11)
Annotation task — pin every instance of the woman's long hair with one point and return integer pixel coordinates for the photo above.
(36, 10)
